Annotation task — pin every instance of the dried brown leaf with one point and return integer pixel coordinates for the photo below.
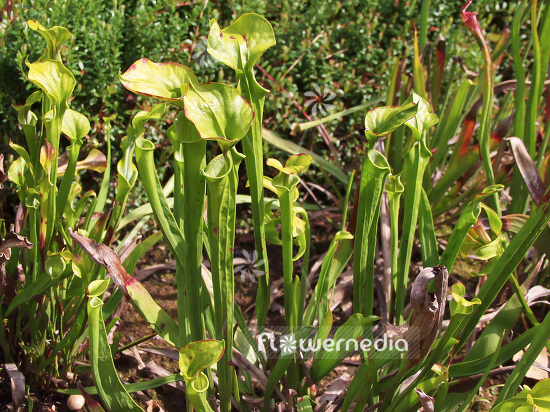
(94, 161)
(153, 406)
(17, 382)
(336, 389)
(428, 311)
(106, 257)
(12, 240)
(2, 174)
(528, 169)
(427, 402)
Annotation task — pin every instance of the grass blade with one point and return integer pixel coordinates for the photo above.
(110, 389)
(509, 260)
(535, 348)
(373, 178)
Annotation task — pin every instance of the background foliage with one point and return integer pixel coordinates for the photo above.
(348, 46)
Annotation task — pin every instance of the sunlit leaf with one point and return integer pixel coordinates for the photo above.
(240, 45)
(164, 81)
(53, 78)
(458, 304)
(295, 164)
(75, 125)
(382, 121)
(55, 37)
(218, 112)
(197, 356)
(55, 265)
(423, 118)
(537, 398)
(97, 287)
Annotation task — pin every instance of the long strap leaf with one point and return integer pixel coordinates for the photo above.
(110, 388)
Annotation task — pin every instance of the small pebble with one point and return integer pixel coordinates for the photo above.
(76, 402)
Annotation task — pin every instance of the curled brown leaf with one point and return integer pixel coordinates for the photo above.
(12, 240)
(106, 257)
(428, 310)
(427, 402)
(528, 170)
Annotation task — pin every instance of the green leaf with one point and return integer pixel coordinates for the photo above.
(473, 367)
(75, 125)
(466, 220)
(218, 112)
(423, 119)
(516, 404)
(55, 37)
(418, 71)
(17, 174)
(373, 178)
(506, 264)
(240, 45)
(295, 164)
(285, 360)
(528, 400)
(494, 220)
(416, 160)
(541, 395)
(153, 188)
(458, 304)
(131, 387)
(304, 404)
(110, 389)
(488, 341)
(97, 287)
(165, 81)
(382, 121)
(36, 288)
(157, 318)
(334, 262)
(474, 391)
(55, 265)
(429, 250)
(197, 356)
(536, 346)
(450, 120)
(53, 78)
(222, 179)
(21, 151)
(394, 188)
(139, 120)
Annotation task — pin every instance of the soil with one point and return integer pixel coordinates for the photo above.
(162, 287)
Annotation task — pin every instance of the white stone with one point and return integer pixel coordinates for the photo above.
(75, 402)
